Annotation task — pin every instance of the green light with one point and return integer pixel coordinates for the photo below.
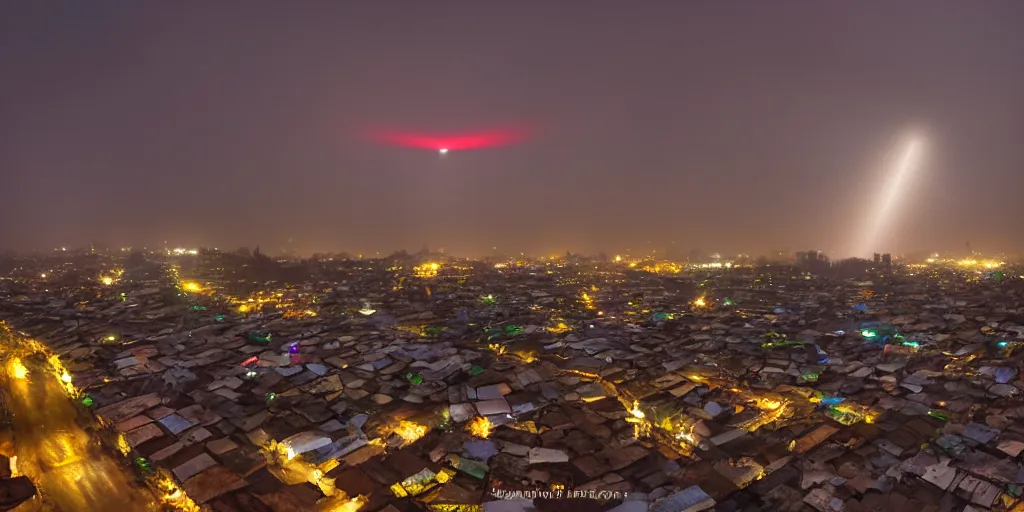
(867, 333)
(912, 344)
(259, 336)
(808, 377)
(1003, 344)
(88, 401)
(434, 330)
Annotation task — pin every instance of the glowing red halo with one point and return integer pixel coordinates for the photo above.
(493, 138)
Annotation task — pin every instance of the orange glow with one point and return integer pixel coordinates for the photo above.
(17, 369)
(480, 427)
(410, 432)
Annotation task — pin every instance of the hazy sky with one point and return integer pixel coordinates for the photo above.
(729, 126)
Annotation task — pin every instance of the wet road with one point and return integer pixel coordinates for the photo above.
(71, 470)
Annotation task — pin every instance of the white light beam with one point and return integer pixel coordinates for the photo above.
(887, 202)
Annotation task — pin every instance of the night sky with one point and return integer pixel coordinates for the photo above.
(750, 127)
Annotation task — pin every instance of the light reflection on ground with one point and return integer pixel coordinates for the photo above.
(70, 468)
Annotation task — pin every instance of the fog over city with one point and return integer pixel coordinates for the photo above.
(729, 128)
(520, 256)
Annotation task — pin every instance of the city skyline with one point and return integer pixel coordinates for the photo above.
(670, 253)
(464, 256)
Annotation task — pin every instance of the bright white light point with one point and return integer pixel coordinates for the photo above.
(887, 202)
(442, 150)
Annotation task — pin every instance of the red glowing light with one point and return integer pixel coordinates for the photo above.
(251, 360)
(494, 138)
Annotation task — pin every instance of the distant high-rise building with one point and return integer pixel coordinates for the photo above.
(878, 259)
(812, 260)
(887, 261)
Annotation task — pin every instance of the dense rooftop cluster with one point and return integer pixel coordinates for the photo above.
(406, 383)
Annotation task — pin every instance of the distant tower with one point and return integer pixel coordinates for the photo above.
(812, 260)
(878, 259)
(887, 261)
(969, 251)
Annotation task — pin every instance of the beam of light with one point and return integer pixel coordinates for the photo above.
(443, 143)
(883, 213)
